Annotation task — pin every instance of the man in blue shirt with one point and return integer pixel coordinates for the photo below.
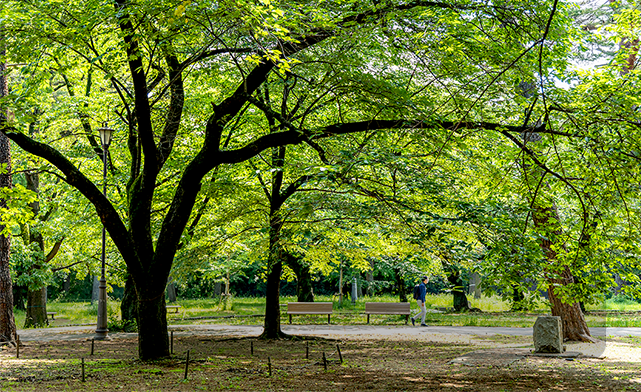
(421, 302)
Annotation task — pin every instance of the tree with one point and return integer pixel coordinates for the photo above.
(163, 53)
(7, 322)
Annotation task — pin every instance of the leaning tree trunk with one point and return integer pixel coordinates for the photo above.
(546, 220)
(7, 322)
(304, 289)
(547, 223)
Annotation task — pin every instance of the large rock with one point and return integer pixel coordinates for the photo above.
(548, 335)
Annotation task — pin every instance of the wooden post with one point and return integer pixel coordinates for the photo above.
(252, 348)
(340, 356)
(269, 365)
(324, 361)
(92, 344)
(172, 343)
(83, 368)
(340, 286)
(187, 364)
(18, 348)
(307, 350)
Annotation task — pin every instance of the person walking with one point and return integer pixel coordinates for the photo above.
(420, 301)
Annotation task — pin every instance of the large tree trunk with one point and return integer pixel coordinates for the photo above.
(546, 220)
(272, 304)
(574, 324)
(276, 252)
(400, 286)
(461, 303)
(153, 342)
(7, 322)
(274, 269)
(36, 308)
(304, 289)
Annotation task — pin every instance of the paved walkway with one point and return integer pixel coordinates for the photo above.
(86, 332)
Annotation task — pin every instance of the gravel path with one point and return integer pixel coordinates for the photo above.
(86, 331)
(614, 351)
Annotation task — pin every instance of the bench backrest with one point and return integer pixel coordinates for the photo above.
(387, 307)
(312, 307)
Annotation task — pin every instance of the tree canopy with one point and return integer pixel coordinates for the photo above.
(446, 112)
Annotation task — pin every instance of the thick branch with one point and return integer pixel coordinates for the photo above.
(143, 111)
(175, 110)
(74, 177)
(54, 251)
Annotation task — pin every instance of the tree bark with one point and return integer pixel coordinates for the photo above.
(369, 277)
(7, 321)
(546, 220)
(274, 267)
(460, 301)
(304, 289)
(128, 306)
(272, 304)
(153, 342)
(400, 286)
(171, 292)
(36, 308)
(36, 315)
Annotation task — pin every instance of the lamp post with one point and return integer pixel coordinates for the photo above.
(101, 327)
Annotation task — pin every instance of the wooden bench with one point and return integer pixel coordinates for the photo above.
(310, 308)
(402, 308)
(52, 314)
(176, 307)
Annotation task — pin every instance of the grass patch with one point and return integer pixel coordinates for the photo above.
(239, 311)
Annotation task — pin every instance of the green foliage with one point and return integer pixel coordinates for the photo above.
(27, 262)
(16, 211)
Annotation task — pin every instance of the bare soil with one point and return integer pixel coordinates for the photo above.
(369, 364)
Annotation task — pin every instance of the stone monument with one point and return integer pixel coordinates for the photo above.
(548, 335)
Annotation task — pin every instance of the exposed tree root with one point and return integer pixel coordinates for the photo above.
(581, 337)
(280, 335)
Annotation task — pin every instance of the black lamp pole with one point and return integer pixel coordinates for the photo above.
(101, 327)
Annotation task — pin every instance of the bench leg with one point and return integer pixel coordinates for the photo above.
(407, 318)
(328, 316)
(290, 318)
(368, 319)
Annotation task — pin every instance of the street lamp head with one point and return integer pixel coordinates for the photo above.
(106, 134)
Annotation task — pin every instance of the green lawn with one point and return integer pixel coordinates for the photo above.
(249, 311)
